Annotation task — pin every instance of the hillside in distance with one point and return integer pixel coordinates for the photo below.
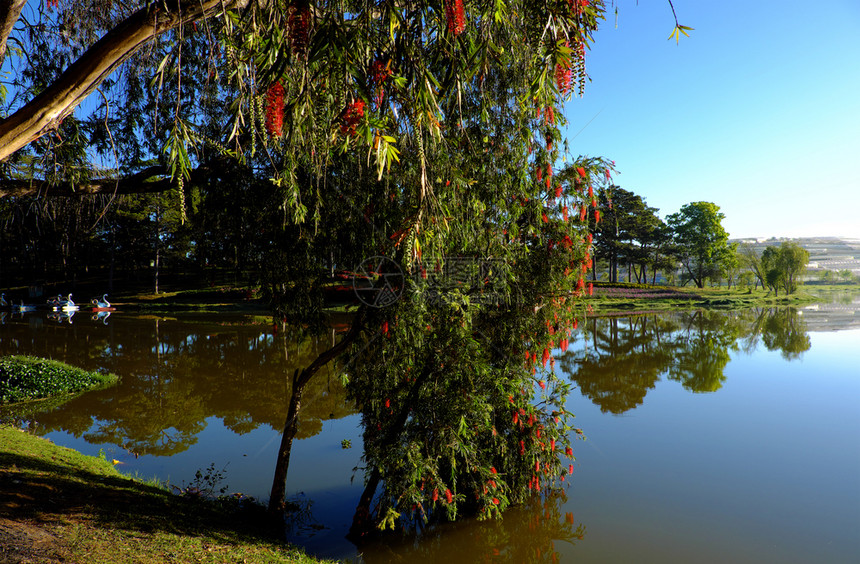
(825, 253)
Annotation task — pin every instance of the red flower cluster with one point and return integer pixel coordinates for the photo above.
(352, 114)
(52, 3)
(456, 16)
(379, 73)
(275, 110)
(300, 23)
(562, 78)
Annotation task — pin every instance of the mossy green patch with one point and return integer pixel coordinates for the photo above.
(25, 378)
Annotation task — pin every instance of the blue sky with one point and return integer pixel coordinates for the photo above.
(758, 111)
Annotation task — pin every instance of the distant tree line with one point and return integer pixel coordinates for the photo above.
(690, 246)
(137, 239)
(228, 234)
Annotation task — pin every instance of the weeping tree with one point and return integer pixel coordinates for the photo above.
(411, 145)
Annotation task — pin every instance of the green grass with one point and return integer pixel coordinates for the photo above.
(57, 504)
(25, 378)
(710, 297)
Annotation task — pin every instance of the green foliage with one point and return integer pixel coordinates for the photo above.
(784, 265)
(24, 378)
(701, 240)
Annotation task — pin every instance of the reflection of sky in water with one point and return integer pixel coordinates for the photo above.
(765, 469)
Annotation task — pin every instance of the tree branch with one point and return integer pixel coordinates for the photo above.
(48, 109)
(10, 11)
(150, 180)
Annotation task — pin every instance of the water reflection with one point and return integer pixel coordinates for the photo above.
(179, 374)
(624, 357)
(174, 376)
(537, 531)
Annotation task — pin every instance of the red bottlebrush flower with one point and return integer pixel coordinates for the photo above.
(379, 72)
(545, 357)
(568, 451)
(539, 174)
(516, 418)
(582, 212)
(493, 470)
(564, 212)
(385, 327)
(549, 169)
(580, 171)
(607, 174)
(591, 192)
(275, 110)
(562, 78)
(558, 191)
(449, 497)
(435, 494)
(456, 16)
(299, 23)
(552, 445)
(522, 447)
(387, 402)
(570, 469)
(350, 117)
(596, 216)
(544, 217)
(495, 501)
(590, 238)
(537, 465)
(590, 289)
(542, 385)
(579, 284)
(575, 323)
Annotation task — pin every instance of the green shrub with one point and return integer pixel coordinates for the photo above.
(26, 377)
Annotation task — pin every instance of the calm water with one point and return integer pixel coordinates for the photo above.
(712, 437)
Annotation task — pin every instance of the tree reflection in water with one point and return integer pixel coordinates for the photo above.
(533, 532)
(174, 376)
(624, 357)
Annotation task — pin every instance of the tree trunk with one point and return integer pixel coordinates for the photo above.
(10, 11)
(291, 426)
(300, 380)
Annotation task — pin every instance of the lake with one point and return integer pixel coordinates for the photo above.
(712, 436)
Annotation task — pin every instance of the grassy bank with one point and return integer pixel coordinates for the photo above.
(57, 505)
(641, 297)
(25, 378)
